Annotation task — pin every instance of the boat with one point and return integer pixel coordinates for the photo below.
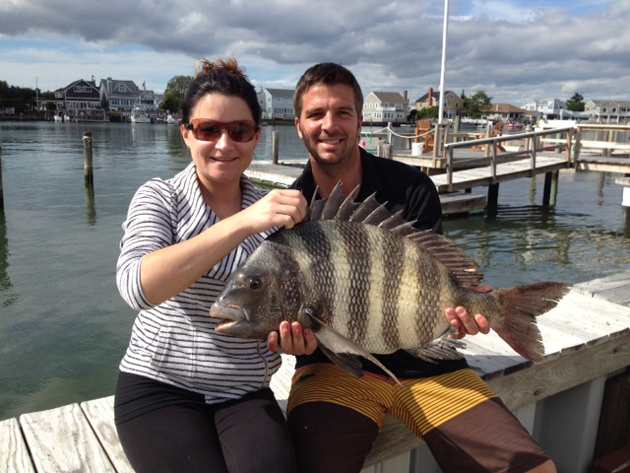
(61, 117)
(513, 126)
(139, 115)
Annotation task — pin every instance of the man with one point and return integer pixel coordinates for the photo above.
(334, 417)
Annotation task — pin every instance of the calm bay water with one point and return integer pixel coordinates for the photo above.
(63, 325)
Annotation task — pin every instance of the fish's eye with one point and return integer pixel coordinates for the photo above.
(255, 283)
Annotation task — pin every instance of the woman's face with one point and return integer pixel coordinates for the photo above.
(221, 160)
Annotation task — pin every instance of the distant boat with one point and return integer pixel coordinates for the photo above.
(61, 117)
(139, 115)
(551, 123)
(513, 126)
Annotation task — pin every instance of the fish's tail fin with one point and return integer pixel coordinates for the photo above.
(523, 304)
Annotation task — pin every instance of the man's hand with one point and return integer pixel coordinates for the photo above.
(292, 340)
(464, 323)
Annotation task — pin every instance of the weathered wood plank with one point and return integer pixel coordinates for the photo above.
(100, 415)
(542, 380)
(14, 457)
(61, 440)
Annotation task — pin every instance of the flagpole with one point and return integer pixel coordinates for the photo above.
(444, 33)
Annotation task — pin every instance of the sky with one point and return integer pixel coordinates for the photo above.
(514, 51)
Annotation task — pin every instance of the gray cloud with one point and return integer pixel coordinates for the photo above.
(528, 53)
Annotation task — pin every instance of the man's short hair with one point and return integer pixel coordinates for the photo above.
(327, 73)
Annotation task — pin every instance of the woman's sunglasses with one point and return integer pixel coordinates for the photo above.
(204, 129)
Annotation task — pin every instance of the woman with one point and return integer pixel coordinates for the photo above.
(190, 399)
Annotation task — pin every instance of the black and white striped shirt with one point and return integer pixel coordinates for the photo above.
(175, 342)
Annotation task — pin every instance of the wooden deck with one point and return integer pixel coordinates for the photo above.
(587, 336)
(278, 175)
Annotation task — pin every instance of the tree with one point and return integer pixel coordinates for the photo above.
(476, 105)
(428, 112)
(576, 103)
(174, 93)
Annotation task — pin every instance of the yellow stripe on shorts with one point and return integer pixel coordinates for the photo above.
(430, 402)
(422, 404)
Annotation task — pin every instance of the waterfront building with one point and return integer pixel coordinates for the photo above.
(79, 100)
(506, 112)
(119, 95)
(551, 108)
(276, 104)
(608, 111)
(453, 104)
(385, 107)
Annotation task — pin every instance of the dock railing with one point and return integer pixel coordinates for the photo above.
(532, 144)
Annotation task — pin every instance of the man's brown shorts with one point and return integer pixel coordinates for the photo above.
(461, 419)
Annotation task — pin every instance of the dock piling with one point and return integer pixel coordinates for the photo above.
(87, 159)
(275, 145)
(1, 191)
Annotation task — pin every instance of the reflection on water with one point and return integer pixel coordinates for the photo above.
(63, 325)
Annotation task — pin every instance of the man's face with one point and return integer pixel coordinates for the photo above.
(329, 124)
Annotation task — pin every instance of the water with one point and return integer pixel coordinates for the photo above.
(64, 327)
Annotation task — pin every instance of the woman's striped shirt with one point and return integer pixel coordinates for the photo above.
(175, 342)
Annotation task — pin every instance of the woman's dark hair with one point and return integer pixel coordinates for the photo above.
(327, 73)
(224, 77)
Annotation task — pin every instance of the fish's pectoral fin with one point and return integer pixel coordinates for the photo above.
(343, 350)
(443, 348)
(351, 363)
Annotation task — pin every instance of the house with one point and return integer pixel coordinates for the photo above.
(506, 112)
(453, 104)
(276, 104)
(385, 107)
(119, 95)
(608, 111)
(79, 100)
(551, 108)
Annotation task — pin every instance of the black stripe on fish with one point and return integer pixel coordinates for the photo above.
(394, 256)
(318, 246)
(357, 245)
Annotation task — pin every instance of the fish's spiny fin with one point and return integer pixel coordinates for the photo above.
(336, 343)
(333, 202)
(316, 206)
(443, 348)
(351, 363)
(522, 305)
(366, 207)
(446, 251)
(348, 206)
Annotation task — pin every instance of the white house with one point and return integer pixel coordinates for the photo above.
(608, 111)
(385, 107)
(551, 108)
(276, 103)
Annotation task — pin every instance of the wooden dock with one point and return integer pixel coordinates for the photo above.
(587, 338)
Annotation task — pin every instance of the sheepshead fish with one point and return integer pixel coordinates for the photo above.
(366, 282)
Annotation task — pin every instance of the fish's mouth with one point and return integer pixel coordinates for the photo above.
(232, 315)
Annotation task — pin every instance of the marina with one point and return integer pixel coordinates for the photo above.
(586, 338)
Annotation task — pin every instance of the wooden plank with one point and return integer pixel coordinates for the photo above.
(542, 380)
(61, 440)
(14, 457)
(100, 415)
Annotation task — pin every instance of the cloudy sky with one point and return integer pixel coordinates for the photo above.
(513, 50)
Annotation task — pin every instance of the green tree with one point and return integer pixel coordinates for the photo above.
(428, 112)
(174, 93)
(477, 105)
(576, 103)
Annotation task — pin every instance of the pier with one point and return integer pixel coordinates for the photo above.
(565, 400)
(464, 161)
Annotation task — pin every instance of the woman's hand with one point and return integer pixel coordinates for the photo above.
(292, 340)
(280, 207)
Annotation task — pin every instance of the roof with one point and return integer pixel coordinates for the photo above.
(435, 95)
(388, 97)
(280, 93)
(506, 108)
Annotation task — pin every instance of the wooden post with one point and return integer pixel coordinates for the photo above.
(87, 158)
(547, 189)
(578, 145)
(275, 145)
(1, 189)
(493, 199)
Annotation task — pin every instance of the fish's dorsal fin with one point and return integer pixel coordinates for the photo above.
(371, 212)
